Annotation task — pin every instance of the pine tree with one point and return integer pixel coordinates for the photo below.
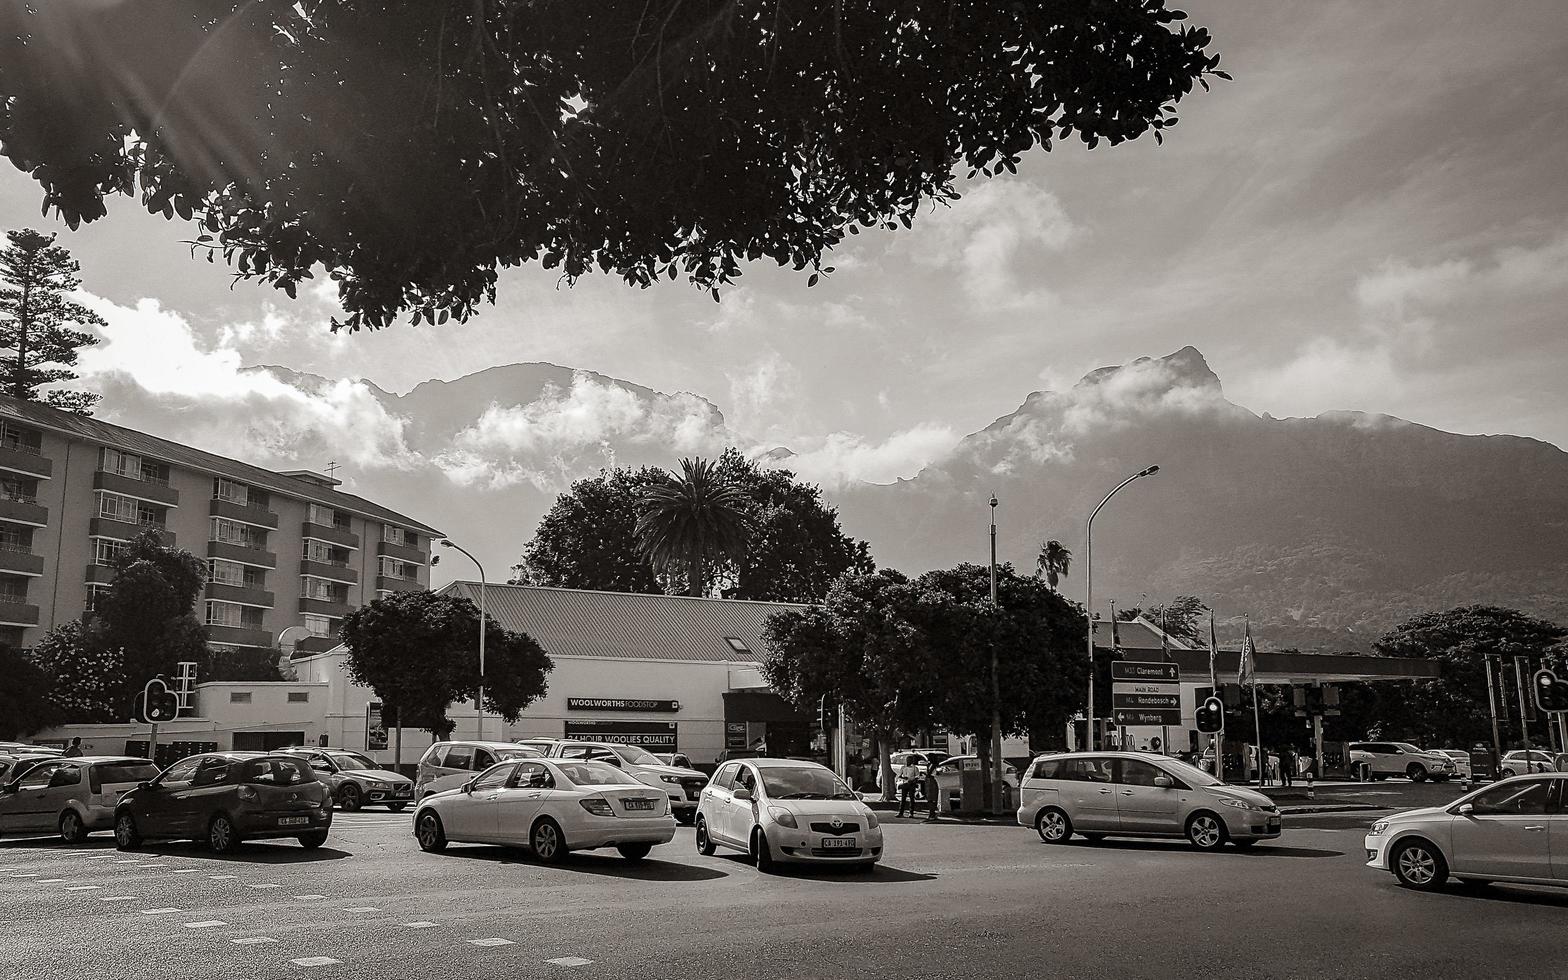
(38, 339)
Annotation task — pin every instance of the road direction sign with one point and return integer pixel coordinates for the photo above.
(1147, 671)
(1145, 693)
(1171, 702)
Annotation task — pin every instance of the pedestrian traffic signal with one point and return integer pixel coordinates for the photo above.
(159, 704)
(1551, 691)
(1211, 716)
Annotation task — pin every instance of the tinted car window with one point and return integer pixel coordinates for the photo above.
(213, 772)
(1087, 770)
(482, 760)
(1047, 769)
(182, 771)
(459, 757)
(493, 778)
(278, 772)
(532, 775)
(66, 776)
(1135, 773)
(746, 779)
(40, 776)
(125, 772)
(725, 777)
(1526, 798)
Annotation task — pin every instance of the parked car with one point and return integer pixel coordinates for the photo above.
(677, 759)
(1525, 761)
(682, 785)
(783, 810)
(541, 743)
(447, 765)
(551, 805)
(921, 758)
(355, 780)
(71, 797)
(1134, 794)
(24, 748)
(1512, 830)
(12, 766)
(1380, 760)
(1461, 759)
(949, 778)
(224, 798)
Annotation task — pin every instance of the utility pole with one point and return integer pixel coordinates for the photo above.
(1088, 587)
(484, 588)
(996, 688)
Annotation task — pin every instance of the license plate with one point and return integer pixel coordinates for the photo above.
(834, 843)
(293, 821)
(693, 794)
(1273, 823)
(638, 804)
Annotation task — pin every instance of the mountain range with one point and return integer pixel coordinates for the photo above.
(1322, 532)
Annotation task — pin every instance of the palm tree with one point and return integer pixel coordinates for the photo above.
(1053, 563)
(690, 519)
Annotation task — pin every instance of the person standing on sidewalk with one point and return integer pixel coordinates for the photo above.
(1287, 765)
(908, 777)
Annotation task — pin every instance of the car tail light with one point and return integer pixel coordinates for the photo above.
(249, 794)
(93, 785)
(598, 807)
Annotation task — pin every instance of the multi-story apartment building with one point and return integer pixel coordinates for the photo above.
(282, 549)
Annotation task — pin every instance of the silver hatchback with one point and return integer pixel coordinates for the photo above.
(1131, 794)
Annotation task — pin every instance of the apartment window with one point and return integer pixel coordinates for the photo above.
(318, 588)
(229, 614)
(118, 507)
(95, 592)
(239, 697)
(321, 514)
(13, 590)
(133, 466)
(19, 489)
(233, 573)
(318, 625)
(235, 533)
(22, 440)
(320, 551)
(16, 537)
(299, 697)
(231, 491)
(107, 550)
(398, 536)
(392, 568)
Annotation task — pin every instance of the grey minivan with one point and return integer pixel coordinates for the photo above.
(1133, 794)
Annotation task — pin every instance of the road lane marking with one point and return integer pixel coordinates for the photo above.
(492, 941)
(315, 961)
(160, 911)
(205, 924)
(419, 925)
(184, 871)
(30, 874)
(263, 886)
(50, 881)
(252, 940)
(118, 898)
(310, 898)
(363, 908)
(152, 865)
(128, 861)
(221, 877)
(569, 961)
(82, 888)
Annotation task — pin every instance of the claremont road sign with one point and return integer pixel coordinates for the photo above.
(1145, 693)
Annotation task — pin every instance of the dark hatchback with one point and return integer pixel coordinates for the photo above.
(223, 798)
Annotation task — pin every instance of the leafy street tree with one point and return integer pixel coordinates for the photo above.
(588, 539)
(86, 680)
(412, 149)
(690, 523)
(148, 612)
(419, 652)
(25, 706)
(38, 343)
(1053, 562)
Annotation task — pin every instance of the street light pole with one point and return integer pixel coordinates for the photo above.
(1088, 579)
(479, 702)
(996, 689)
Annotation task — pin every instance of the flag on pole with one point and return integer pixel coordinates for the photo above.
(1165, 640)
(1247, 673)
(1116, 637)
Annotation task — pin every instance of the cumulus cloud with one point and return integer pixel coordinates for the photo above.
(844, 458)
(156, 373)
(761, 390)
(987, 238)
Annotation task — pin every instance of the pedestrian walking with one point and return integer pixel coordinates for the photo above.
(932, 792)
(908, 778)
(1287, 765)
(75, 751)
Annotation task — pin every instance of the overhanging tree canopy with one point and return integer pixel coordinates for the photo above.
(413, 147)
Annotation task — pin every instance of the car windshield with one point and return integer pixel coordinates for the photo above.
(635, 756)
(1455, 753)
(278, 772)
(1406, 746)
(1191, 775)
(351, 760)
(595, 774)
(803, 783)
(520, 752)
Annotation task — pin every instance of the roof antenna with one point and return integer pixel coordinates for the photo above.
(332, 470)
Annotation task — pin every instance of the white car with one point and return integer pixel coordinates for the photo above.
(949, 779)
(1515, 830)
(1461, 762)
(683, 786)
(1520, 761)
(786, 810)
(1369, 761)
(551, 805)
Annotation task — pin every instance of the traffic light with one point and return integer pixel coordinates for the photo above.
(1551, 692)
(827, 709)
(1211, 716)
(159, 704)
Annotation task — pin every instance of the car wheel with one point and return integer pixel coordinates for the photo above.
(313, 840)
(634, 852)
(222, 838)
(349, 798)
(548, 844)
(1362, 772)
(1053, 826)
(705, 845)
(126, 836)
(1416, 772)
(1206, 831)
(396, 807)
(1508, 774)
(762, 852)
(72, 831)
(1420, 865)
(429, 832)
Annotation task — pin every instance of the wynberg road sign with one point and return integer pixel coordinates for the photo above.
(1145, 693)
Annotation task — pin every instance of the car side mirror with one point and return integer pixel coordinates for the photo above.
(743, 794)
(147, 784)
(468, 787)
(1163, 782)
(1465, 810)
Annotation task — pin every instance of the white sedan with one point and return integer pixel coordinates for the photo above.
(780, 810)
(551, 805)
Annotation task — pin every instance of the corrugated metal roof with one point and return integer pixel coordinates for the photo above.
(104, 433)
(634, 626)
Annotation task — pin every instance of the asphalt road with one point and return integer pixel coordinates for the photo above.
(952, 901)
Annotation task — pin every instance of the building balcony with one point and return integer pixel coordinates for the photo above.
(402, 552)
(244, 513)
(330, 534)
(21, 563)
(242, 554)
(157, 493)
(240, 636)
(15, 612)
(108, 527)
(386, 583)
(23, 512)
(99, 575)
(332, 573)
(26, 461)
(241, 594)
(315, 644)
(324, 607)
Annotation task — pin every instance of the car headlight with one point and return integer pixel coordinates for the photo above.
(782, 817)
(1381, 827)
(671, 779)
(871, 820)
(1238, 804)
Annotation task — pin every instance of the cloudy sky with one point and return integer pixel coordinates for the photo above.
(1372, 216)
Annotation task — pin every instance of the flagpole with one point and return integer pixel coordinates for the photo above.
(1257, 727)
(1214, 687)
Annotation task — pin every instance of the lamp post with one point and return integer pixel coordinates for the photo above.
(1088, 578)
(479, 702)
(996, 689)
